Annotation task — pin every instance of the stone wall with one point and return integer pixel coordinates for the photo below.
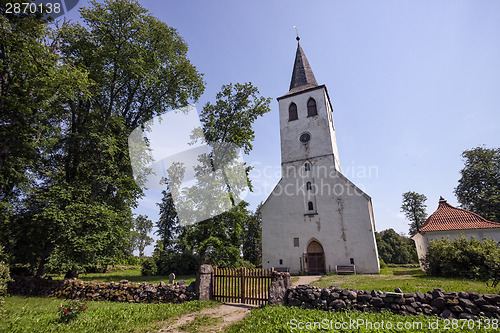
(280, 282)
(123, 291)
(462, 305)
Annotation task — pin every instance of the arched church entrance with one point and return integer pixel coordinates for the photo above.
(315, 258)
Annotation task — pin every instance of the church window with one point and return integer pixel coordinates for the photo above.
(307, 167)
(308, 186)
(310, 205)
(281, 261)
(305, 137)
(292, 112)
(296, 242)
(352, 261)
(311, 107)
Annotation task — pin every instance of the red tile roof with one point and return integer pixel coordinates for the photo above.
(447, 217)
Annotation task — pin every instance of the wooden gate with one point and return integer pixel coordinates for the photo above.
(242, 285)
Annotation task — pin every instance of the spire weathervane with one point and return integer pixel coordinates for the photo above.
(297, 31)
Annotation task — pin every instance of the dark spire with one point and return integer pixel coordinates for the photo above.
(302, 75)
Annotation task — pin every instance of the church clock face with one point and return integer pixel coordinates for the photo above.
(305, 137)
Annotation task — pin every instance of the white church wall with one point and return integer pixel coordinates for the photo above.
(342, 223)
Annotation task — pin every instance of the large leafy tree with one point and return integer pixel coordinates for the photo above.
(414, 208)
(80, 208)
(36, 86)
(478, 188)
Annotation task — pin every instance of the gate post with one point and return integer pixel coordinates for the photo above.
(280, 282)
(204, 282)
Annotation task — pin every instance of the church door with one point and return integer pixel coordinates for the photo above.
(315, 258)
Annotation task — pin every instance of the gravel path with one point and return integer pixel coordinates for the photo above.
(306, 279)
(210, 320)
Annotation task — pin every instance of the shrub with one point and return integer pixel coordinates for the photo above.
(71, 310)
(4, 278)
(241, 263)
(382, 263)
(463, 258)
(149, 267)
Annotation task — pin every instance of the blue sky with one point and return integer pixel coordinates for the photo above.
(413, 84)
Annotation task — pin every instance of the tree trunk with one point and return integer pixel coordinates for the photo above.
(49, 247)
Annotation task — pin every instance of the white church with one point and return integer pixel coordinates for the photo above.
(315, 219)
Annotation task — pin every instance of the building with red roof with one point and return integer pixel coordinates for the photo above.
(451, 222)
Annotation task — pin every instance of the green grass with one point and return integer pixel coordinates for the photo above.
(200, 324)
(37, 314)
(408, 279)
(288, 319)
(132, 275)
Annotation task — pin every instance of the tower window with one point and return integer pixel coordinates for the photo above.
(292, 112)
(296, 242)
(308, 186)
(310, 205)
(307, 167)
(311, 107)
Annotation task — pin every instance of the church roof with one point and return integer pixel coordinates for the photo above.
(447, 217)
(302, 75)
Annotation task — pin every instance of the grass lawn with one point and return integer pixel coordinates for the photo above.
(288, 319)
(39, 314)
(132, 275)
(408, 279)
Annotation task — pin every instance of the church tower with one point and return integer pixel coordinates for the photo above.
(315, 219)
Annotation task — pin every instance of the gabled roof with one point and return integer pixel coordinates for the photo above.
(302, 75)
(447, 217)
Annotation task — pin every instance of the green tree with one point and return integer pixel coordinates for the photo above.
(142, 227)
(218, 240)
(167, 227)
(414, 208)
(36, 86)
(394, 248)
(80, 206)
(226, 127)
(252, 238)
(478, 188)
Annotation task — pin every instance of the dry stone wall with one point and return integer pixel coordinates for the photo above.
(123, 291)
(462, 305)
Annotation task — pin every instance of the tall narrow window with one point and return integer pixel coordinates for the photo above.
(307, 167)
(310, 206)
(296, 242)
(311, 107)
(292, 112)
(308, 186)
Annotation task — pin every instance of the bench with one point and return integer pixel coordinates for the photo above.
(345, 269)
(282, 269)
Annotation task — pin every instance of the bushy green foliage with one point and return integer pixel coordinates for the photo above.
(149, 267)
(394, 248)
(177, 263)
(4, 278)
(463, 258)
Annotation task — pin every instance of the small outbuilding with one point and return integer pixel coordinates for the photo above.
(451, 222)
